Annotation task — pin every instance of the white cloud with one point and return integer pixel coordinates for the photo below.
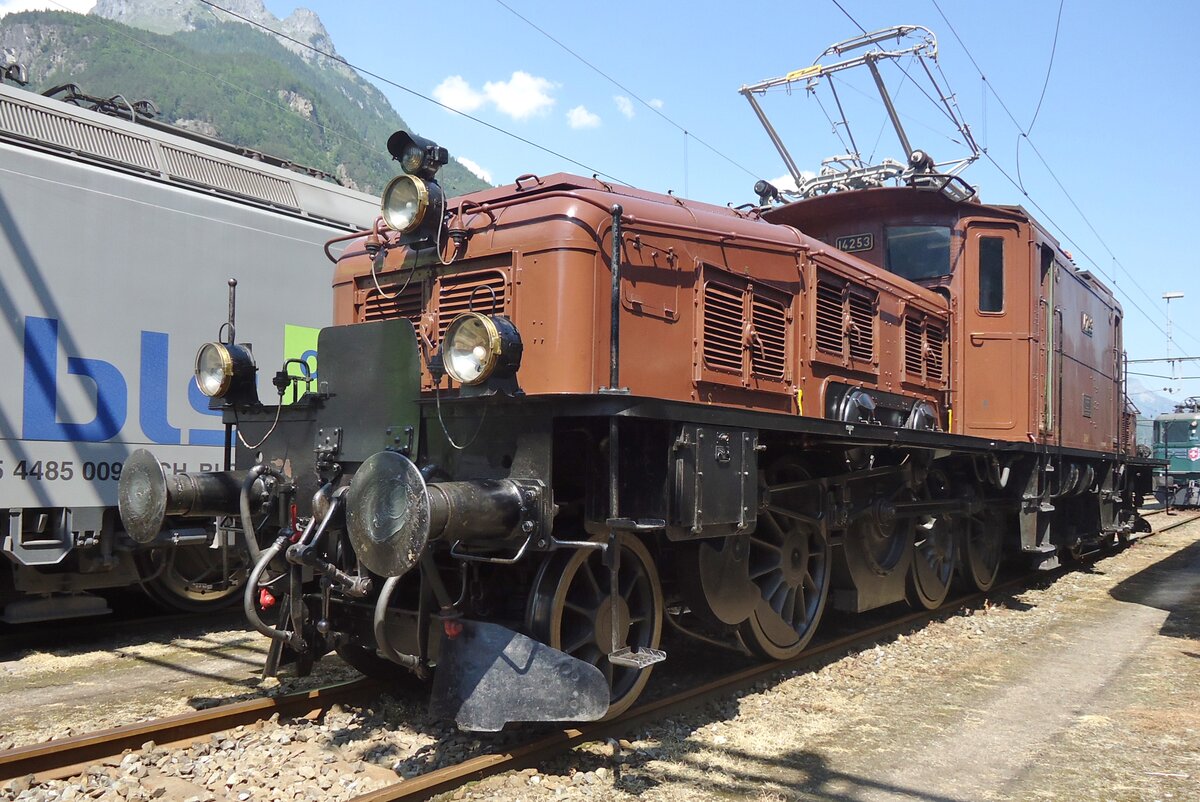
(624, 105)
(456, 93)
(580, 117)
(486, 175)
(13, 6)
(522, 96)
(655, 103)
(785, 183)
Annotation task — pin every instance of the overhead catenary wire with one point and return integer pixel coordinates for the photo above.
(1017, 184)
(1049, 66)
(849, 16)
(411, 91)
(1024, 132)
(687, 133)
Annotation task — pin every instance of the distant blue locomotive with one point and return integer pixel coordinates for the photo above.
(1177, 440)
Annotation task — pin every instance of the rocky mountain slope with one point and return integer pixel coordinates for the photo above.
(225, 78)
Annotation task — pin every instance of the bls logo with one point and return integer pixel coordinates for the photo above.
(41, 412)
(41, 415)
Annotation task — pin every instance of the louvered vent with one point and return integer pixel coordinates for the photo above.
(768, 352)
(935, 353)
(723, 322)
(200, 169)
(914, 347)
(481, 292)
(829, 318)
(862, 327)
(377, 306)
(76, 135)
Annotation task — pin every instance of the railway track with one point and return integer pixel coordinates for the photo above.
(67, 757)
(562, 741)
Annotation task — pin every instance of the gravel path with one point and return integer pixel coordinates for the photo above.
(1085, 687)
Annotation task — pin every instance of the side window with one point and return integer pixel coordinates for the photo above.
(991, 274)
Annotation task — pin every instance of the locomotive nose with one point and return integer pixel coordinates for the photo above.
(387, 514)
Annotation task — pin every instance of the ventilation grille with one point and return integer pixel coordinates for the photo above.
(482, 292)
(211, 172)
(924, 349)
(380, 306)
(768, 354)
(723, 322)
(68, 133)
(829, 318)
(914, 346)
(935, 352)
(845, 319)
(743, 332)
(862, 327)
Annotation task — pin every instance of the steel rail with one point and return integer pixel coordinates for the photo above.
(1174, 524)
(69, 756)
(562, 741)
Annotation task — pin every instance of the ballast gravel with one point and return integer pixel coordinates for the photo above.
(1084, 686)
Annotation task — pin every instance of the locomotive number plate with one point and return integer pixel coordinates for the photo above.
(855, 242)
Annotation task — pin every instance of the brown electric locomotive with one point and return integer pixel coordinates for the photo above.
(555, 416)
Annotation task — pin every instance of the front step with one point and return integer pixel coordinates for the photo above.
(642, 658)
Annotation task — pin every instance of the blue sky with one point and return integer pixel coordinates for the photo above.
(1117, 124)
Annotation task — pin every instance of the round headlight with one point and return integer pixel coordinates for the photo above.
(214, 369)
(405, 202)
(470, 348)
(412, 158)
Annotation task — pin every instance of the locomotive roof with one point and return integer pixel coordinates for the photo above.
(1177, 416)
(915, 203)
(632, 197)
(160, 153)
(693, 219)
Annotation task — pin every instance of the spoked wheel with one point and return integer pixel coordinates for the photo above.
(789, 561)
(570, 609)
(192, 578)
(979, 563)
(934, 550)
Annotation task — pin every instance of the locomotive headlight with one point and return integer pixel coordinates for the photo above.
(220, 365)
(417, 155)
(409, 203)
(477, 347)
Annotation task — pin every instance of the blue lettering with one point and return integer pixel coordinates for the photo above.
(152, 407)
(199, 402)
(40, 415)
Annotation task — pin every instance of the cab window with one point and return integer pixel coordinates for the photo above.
(991, 274)
(918, 252)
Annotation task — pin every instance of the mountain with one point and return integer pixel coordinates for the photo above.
(1149, 402)
(224, 78)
